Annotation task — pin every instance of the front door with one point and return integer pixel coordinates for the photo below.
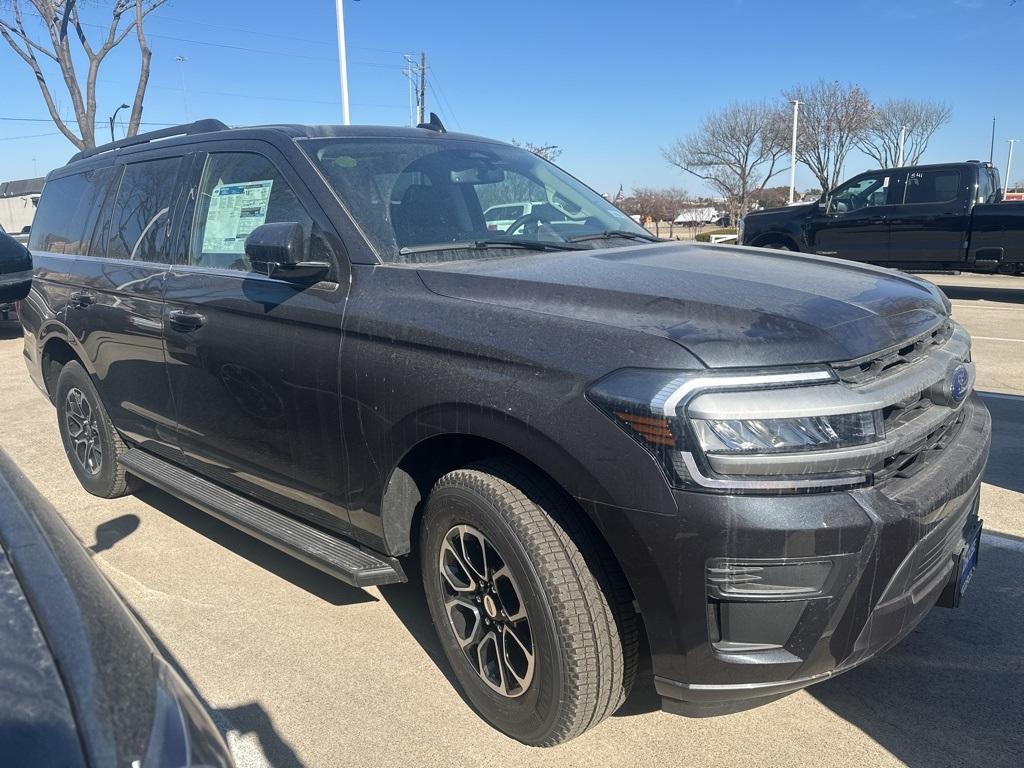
(253, 360)
(854, 222)
(931, 225)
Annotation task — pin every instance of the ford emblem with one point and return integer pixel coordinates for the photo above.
(959, 382)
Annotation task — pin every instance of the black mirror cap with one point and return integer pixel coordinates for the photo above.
(278, 244)
(15, 269)
(277, 250)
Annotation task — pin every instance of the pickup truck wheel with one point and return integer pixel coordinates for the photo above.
(538, 625)
(778, 245)
(92, 445)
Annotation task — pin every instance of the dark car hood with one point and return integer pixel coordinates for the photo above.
(728, 306)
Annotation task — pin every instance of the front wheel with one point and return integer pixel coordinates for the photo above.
(536, 621)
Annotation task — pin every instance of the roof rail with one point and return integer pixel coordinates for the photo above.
(199, 126)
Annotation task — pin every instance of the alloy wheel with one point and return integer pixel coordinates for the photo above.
(486, 611)
(84, 431)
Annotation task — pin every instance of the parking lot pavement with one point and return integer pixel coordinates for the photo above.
(301, 670)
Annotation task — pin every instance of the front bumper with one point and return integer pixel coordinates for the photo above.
(875, 561)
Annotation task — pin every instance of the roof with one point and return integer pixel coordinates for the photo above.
(21, 187)
(211, 127)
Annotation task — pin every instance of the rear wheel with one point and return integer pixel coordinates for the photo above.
(778, 245)
(534, 617)
(92, 445)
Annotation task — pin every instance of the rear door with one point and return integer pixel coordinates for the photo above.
(253, 360)
(116, 308)
(932, 223)
(854, 223)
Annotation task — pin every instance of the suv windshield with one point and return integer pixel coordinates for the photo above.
(423, 200)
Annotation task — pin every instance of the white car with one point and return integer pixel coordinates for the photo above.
(500, 217)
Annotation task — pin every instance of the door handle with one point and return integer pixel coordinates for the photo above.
(82, 298)
(186, 321)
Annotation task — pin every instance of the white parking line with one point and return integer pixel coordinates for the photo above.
(996, 338)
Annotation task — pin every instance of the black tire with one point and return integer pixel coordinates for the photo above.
(104, 477)
(580, 613)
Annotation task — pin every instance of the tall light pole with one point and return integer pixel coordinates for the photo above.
(113, 117)
(792, 153)
(181, 71)
(342, 61)
(903, 141)
(1009, 165)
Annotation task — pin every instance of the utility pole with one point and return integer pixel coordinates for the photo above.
(1009, 165)
(792, 154)
(410, 73)
(421, 93)
(903, 142)
(342, 61)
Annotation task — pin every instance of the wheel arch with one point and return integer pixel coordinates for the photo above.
(56, 351)
(492, 434)
(769, 238)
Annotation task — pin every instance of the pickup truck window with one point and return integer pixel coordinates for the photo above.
(985, 190)
(939, 186)
(863, 192)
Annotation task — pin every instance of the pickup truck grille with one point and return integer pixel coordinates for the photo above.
(890, 361)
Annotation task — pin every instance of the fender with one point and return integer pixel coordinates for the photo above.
(477, 429)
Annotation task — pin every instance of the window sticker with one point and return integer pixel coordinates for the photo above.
(235, 211)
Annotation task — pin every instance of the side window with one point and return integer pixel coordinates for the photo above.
(867, 192)
(985, 191)
(68, 210)
(939, 186)
(239, 192)
(138, 224)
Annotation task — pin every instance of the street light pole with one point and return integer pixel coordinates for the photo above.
(181, 71)
(113, 117)
(1009, 165)
(903, 141)
(342, 61)
(792, 154)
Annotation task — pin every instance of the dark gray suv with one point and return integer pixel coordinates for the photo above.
(761, 467)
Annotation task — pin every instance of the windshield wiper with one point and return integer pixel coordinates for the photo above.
(482, 245)
(607, 235)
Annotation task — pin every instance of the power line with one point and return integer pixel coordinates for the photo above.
(30, 136)
(444, 98)
(274, 35)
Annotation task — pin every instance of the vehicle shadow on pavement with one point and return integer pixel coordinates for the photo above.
(10, 329)
(951, 693)
(1004, 461)
(238, 721)
(982, 293)
(255, 551)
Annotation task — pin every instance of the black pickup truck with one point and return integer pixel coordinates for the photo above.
(918, 217)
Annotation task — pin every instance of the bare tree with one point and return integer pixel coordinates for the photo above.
(45, 37)
(655, 204)
(921, 119)
(833, 119)
(549, 152)
(736, 151)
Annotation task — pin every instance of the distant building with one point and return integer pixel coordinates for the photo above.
(18, 203)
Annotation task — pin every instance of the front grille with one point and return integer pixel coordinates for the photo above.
(912, 460)
(872, 367)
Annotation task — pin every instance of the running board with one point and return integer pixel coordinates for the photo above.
(305, 542)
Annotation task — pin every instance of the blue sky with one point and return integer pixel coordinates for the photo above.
(609, 82)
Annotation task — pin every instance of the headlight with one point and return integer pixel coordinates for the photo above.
(744, 451)
(797, 434)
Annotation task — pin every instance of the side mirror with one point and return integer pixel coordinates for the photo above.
(277, 250)
(15, 269)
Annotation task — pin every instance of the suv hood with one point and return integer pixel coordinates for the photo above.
(729, 306)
